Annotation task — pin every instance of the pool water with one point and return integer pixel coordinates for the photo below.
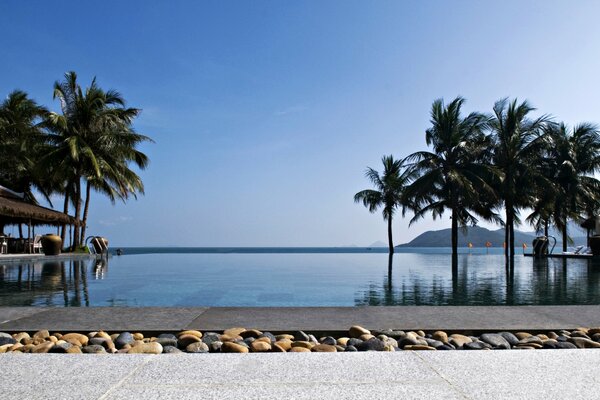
(299, 279)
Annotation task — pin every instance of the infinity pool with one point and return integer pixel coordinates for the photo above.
(297, 279)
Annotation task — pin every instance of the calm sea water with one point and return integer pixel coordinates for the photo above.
(298, 277)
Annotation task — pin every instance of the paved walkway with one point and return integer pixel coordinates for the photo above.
(315, 319)
(539, 374)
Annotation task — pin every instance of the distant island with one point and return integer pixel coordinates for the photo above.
(476, 235)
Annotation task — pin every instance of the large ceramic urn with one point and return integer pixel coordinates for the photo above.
(540, 246)
(51, 244)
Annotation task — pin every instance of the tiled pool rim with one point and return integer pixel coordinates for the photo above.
(314, 319)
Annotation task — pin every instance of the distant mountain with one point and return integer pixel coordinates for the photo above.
(476, 235)
(378, 243)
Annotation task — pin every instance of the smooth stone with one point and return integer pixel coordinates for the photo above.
(198, 334)
(565, 345)
(340, 348)
(93, 349)
(76, 339)
(43, 334)
(215, 347)
(445, 347)
(74, 350)
(229, 338)
(146, 348)
(167, 336)
(7, 340)
(542, 336)
(254, 333)
(42, 347)
(259, 346)
(476, 346)
(412, 341)
(440, 336)
(5, 335)
(523, 335)
(233, 331)
(583, 329)
(210, 337)
(433, 343)
(393, 334)
(531, 344)
(551, 345)
(366, 336)
(60, 347)
(185, 340)
(241, 343)
(579, 334)
(510, 338)
(596, 337)
(495, 340)
(523, 347)
(278, 349)
(167, 341)
(351, 349)
(231, 347)
(329, 340)
(562, 338)
(390, 342)
(584, 343)
(357, 331)
(459, 340)
(171, 350)
(249, 340)
(418, 347)
(299, 350)
(372, 344)
(343, 341)
(324, 348)
(593, 331)
(268, 335)
(531, 339)
(123, 339)
(21, 336)
(138, 336)
(353, 342)
(306, 345)
(300, 336)
(285, 336)
(197, 347)
(285, 344)
(97, 341)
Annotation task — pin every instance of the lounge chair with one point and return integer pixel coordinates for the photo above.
(36, 245)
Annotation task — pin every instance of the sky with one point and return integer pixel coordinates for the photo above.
(265, 114)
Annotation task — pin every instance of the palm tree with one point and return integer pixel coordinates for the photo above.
(388, 192)
(22, 141)
(575, 154)
(519, 143)
(456, 175)
(94, 140)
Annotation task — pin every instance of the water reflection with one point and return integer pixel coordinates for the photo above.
(49, 283)
(468, 282)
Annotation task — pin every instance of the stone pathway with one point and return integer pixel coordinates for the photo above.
(548, 374)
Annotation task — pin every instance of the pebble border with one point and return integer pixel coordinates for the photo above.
(242, 340)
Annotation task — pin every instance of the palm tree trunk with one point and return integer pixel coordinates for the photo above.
(391, 242)
(565, 237)
(20, 231)
(63, 232)
(86, 207)
(546, 228)
(76, 230)
(454, 233)
(512, 240)
(506, 234)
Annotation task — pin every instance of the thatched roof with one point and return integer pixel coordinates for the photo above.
(15, 210)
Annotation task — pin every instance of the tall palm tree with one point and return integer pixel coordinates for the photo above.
(456, 175)
(519, 143)
(575, 154)
(94, 141)
(388, 193)
(22, 142)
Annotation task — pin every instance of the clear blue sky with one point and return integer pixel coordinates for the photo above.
(266, 113)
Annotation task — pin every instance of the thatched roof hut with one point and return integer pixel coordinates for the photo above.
(15, 210)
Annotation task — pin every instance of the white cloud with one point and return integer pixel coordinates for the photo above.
(115, 221)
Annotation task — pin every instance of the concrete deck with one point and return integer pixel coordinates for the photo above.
(23, 258)
(314, 319)
(539, 374)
